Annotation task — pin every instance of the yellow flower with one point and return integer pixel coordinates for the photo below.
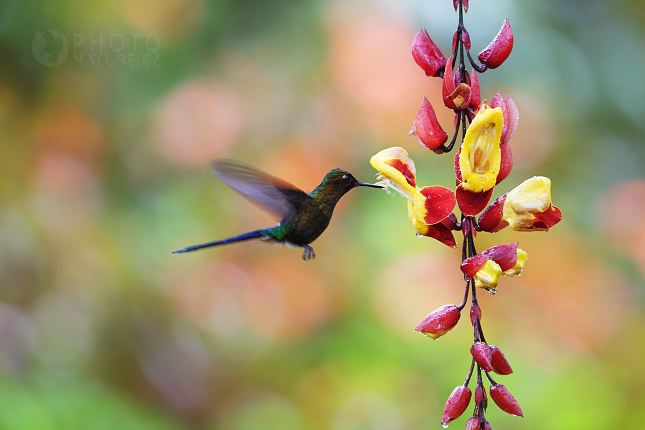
(480, 154)
(528, 206)
(428, 207)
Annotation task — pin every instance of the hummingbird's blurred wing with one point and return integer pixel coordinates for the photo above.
(261, 188)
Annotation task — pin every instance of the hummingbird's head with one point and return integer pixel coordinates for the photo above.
(339, 181)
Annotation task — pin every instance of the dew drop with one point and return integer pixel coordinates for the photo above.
(419, 234)
(445, 425)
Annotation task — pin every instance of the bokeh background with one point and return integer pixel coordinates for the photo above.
(106, 140)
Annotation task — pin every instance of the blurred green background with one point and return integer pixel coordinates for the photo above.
(104, 170)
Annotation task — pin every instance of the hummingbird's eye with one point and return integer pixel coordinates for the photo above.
(347, 178)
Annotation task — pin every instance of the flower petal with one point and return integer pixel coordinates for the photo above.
(395, 164)
(433, 204)
(472, 202)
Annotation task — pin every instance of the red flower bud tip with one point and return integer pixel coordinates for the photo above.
(482, 354)
(465, 38)
(473, 424)
(427, 55)
(499, 49)
(505, 400)
(455, 3)
(456, 404)
(439, 322)
(427, 129)
(487, 426)
(475, 312)
(460, 97)
(480, 395)
(499, 362)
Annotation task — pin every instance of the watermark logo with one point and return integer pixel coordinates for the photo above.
(49, 47)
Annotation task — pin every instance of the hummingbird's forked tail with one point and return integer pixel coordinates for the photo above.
(245, 236)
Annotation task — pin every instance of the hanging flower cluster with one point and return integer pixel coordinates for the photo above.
(483, 161)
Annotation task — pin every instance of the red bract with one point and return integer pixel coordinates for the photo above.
(482, 354)
(499, 362)
(427, 129)
(456, 404)
(440, 321)
(473, 423)
(505, 400)
(427, 55)
(455, 3)
(499, 49)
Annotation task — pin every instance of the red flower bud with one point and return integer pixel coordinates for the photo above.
(505, 400)
(482, 354)
(440, 321)
(455, 3)
(480, 395)
(427, 129)
(499, 49)
(473, 423)
(499, 362)
(427, 55)
(475, 312)
(456, 404)
(491, 219)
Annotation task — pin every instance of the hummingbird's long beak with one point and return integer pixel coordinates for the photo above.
(365, 184)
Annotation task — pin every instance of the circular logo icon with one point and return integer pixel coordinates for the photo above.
(49, 47)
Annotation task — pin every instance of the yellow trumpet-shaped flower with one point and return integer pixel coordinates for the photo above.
(480, 155)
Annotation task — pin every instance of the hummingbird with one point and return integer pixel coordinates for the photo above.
(304, 216)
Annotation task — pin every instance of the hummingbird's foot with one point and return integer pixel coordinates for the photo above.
(309, 253)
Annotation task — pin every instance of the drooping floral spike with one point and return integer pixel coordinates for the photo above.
(440, 321)
(505, 400)
(456, 404)
(427, 129)
(427, 55)
(499, 49)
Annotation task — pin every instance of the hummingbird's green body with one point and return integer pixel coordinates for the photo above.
(304, 216)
